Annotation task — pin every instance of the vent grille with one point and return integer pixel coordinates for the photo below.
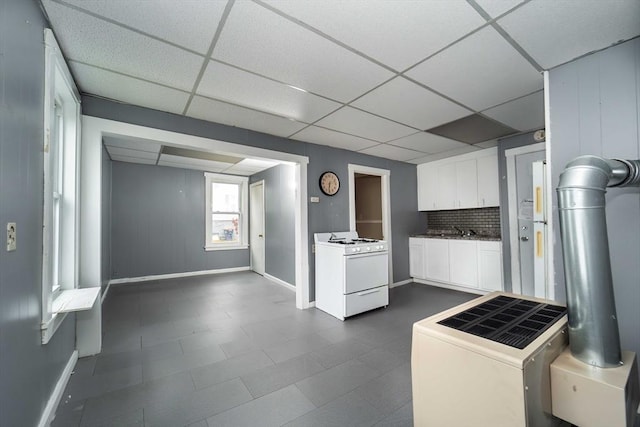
(510, 321)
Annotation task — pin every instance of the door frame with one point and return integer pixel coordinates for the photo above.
(385, 179)
(510, 157)
(262, 219)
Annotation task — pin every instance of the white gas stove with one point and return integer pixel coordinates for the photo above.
(352, 273)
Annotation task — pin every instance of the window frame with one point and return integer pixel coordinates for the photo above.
(243, 183)
(61, 207)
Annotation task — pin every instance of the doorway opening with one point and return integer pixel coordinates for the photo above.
(370, 205)
(256, 227)
(527, 228)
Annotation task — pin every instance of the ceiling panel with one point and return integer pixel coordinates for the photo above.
(445, 154)
(390, 152)
(496, 8)
(396, 36)
(259, 40)
(133, 160)
(322, 136)
(523, 114)
(427, 143)
(240, 87)
(132, 143)
(489, 71)
(127, 89)
(411, 104)
(358, 123)
(166, 19)
(191, 163)
(126, 152)
(220, 112)
(91, 40)
(571, 27)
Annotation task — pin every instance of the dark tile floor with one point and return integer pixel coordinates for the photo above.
(232, 350)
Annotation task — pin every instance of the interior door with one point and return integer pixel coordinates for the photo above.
(256, 227)
(525, 210)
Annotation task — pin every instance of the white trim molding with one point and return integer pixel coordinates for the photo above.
(400, 283)
(280, 282)
(453, 287)
(175, 275)
(56, 395)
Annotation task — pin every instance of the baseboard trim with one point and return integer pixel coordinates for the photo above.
(104, 294)
(312, 304)
(175, 275)
(452, 287)
(280, 282)
(50, 410)
(400, 283)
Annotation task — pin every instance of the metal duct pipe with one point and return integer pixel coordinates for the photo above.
(593, 325)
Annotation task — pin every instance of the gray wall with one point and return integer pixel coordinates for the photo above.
(28, 369)
(595, 109)
(279, 210)
(106, 220)
(503, 145)
(157, 223)
(332, 213)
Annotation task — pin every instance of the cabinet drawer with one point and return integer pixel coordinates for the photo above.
(359, 302)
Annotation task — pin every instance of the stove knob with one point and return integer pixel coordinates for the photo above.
(357, 249)
(368, 248)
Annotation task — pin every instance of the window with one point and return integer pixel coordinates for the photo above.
(60, 213)
(226, 201)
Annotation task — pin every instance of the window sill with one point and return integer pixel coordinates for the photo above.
(66, 302)
(225, 248)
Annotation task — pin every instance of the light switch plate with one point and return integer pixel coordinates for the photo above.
(11, 236)
(315, 199)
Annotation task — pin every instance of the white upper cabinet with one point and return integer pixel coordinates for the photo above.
(460, 182)
(488, 181)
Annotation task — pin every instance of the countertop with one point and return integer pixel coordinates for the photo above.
(451, 236)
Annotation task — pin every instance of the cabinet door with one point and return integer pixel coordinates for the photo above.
(446, 191)
(416, 258)
(490, 266)
(463, 263)
(437, 259)
(466, 184)
(488, 181)
(427, 187)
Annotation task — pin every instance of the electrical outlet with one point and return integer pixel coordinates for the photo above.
(11, 236)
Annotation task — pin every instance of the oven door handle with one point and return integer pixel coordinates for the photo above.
(366, 254)
(368, 291)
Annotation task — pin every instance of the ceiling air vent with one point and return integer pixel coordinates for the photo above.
(472, 129)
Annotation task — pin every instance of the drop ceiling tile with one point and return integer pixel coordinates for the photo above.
(84, 38)
(133, 160)
(524, 113)
(126, 152)
(191, 162)
(365, 125)
(496, 8)
(132, 143)
(390, 152)
(489, 71)
(396, 35)
(409, 103)
(427, 143)
(256, 164)
(571, 27)
(261, 41)
(232, 115)
(166, 19)
(97, 81)
(322, 136)
(445, 154)
(240, 87)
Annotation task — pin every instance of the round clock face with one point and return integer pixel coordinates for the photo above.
(329, 183)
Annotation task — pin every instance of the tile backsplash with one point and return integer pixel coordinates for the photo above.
(484, 221)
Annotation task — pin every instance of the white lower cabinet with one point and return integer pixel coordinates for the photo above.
(437, 259)
(490, 266)
(417, 257)
(463, 262)
(468, 263)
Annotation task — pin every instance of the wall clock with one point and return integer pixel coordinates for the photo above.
(329, 183)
